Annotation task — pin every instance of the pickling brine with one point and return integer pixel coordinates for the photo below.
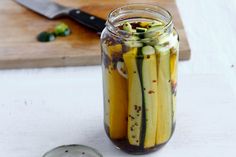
(140, 50)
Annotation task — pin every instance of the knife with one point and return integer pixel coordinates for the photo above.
(53, 10)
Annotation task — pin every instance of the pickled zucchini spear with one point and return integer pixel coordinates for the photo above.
(142, 79)
(116, 99)
(164, 108)
(134, 97)
(118, 103)
(173, 71)
(149, 79)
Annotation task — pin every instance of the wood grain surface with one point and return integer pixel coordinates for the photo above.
(20, 26)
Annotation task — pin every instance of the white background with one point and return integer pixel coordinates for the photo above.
(44, 108)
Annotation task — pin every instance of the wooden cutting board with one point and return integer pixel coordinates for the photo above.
(20, 26)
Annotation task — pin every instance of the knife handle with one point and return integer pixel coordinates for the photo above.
(93, 22)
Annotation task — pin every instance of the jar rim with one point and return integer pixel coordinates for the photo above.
(148, 7)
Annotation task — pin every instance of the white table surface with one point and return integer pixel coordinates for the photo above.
(44, 108)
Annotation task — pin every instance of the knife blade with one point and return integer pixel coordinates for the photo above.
(53, 10)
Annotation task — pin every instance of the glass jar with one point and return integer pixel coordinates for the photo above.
(140, 50)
